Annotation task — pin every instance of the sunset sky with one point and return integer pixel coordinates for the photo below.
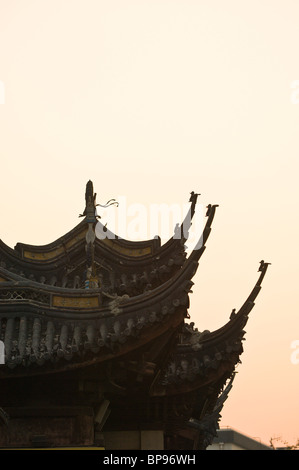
(153, 99)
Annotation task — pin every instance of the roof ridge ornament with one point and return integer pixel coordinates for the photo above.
(263, 266)
(111, 202)
(90, 211)
(91, 218)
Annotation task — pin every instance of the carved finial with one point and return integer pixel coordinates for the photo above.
(209, 208)
(90, 202)
(233, 314)
(91, 205)
(263, 265)
(193, 197)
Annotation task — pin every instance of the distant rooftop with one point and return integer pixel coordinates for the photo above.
(230, 439)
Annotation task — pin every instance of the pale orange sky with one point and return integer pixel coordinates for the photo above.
(152, 99)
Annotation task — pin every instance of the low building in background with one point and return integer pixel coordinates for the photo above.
(230, 439)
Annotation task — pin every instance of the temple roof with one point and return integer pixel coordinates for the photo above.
(43, 321)
(122, 266)
(198, 356)
(118, 311)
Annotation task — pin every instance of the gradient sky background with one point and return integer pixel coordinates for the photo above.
(152, 99)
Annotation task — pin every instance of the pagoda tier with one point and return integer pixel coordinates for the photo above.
(42, 325)
(119, 266)
(117, 356)
(187, 394)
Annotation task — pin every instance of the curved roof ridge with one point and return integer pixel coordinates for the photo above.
(238, 319)
(64, 244)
